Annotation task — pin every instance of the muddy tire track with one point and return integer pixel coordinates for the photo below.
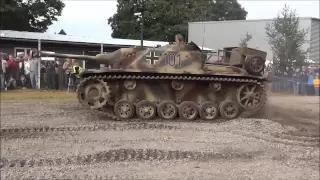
(21, 132)
(86, 177)
(120, 155)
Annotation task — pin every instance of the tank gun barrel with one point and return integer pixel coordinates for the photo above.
(107, 59)
(71, 56)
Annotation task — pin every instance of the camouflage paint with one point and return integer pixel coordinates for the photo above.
(154, 69)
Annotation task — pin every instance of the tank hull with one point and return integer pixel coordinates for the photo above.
(148, 95)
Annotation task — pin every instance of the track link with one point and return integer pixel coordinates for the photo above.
(110, 114)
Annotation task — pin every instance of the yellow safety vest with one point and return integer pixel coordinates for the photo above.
(316, 82)
(75, 71)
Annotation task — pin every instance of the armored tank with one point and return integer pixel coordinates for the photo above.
(174, 81)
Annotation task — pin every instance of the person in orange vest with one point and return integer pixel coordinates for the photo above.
(316, 84)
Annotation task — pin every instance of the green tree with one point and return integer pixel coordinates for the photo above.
(165, 18)
(286, 39)
(29, 15)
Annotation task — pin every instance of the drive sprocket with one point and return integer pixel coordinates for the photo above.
(93, 92)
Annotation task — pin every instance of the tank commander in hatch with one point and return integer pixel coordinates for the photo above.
(179, 39)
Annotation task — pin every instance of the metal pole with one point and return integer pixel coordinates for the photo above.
(39, 64)
(101, 48)
(141, 35)
(83, 61)
(101, 52)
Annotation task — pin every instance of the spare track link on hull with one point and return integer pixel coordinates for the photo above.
(111, 114)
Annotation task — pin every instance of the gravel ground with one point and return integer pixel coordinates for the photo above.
(68, 142)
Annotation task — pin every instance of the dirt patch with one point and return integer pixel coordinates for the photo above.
(54, 137)
(299, 112)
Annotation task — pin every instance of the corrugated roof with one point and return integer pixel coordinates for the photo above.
(77, 39)
(69, 38)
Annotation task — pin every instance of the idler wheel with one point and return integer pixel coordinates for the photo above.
(167, 110)
(188, 110)
(124, 109)
(146, 110)
(229, 109)
(208, 111)
(250, 96)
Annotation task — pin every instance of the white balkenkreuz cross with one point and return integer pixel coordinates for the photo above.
(152, 57)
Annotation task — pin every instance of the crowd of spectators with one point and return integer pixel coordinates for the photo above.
(304, 81)
(22, 72)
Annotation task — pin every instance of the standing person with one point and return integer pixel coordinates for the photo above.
(287, 82)
(316, 84)
(50, 71)
(67, 68)
(310, 84)
(3, 71)
(303, 81)
(43, 75)
(33, 64)
(13, 68)
(296, 81)
(56, 70)
(76, 69)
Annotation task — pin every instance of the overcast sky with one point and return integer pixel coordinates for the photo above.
(90, 18)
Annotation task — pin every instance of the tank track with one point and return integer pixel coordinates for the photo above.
(110, 114)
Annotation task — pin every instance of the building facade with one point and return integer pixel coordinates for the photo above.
(219, 34)
(15, 42)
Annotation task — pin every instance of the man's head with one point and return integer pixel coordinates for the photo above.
(11, 57)
(25, 57)
(73, 61)
(179, 38)
(4, 56)
(317, 75)
(68, 60)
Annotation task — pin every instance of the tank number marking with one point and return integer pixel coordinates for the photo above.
(172, 59)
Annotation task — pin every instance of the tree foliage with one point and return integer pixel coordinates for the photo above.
(165, 18)
(29, 15)
(286, 39)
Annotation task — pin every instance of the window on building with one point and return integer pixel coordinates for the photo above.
(21, 50)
